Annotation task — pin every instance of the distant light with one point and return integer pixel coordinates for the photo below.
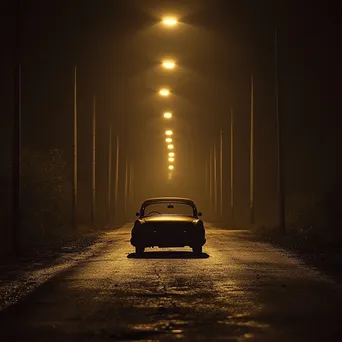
(170, 21)
(171, 154)
(168, 132)
(171, 167)
(167, 115)
(171, 160)
(169, 64)
(170, 147)
(168, 140)
(164, 92)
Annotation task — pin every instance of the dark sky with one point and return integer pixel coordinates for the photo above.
(117, 46)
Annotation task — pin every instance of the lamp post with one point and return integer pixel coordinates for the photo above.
(74, 197)
(280, 159)
(251, 162)
(93, 193)
(232, 167)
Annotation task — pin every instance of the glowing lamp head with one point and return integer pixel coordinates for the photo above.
(170, 21)
(167, 115)
(164, 92)
(169, 64)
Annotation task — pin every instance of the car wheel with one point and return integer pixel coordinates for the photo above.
(139, 250)
(197, 249)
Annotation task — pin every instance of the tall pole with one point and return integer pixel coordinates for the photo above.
(126, 187)
(251, 162)
(131, 194)
(16, 143)
(207, 176)
(232, 167)
(210, 181)
(221, 174)
(116, 179)
(281, 195)
(93, 197)
(109, 193)
(74, 197)
(16, 167)
(215, 182)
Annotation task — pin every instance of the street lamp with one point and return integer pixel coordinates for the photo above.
(168, 64)
(167, 115)
(170, 147)
(168, 140)
(171, 167)
(164, 92)
(170, 21)
(168, 132)
(171, 159)
(171, 154)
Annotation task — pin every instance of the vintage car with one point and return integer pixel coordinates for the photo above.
(168, 222)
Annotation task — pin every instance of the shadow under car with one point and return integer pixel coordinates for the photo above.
(168, 255)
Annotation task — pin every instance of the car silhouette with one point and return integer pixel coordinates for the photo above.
(168, 222)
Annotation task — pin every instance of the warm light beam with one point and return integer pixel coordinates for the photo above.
(170, 147)
(168, 132)
(167, 115)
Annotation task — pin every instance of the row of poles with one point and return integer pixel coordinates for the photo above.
(16, 167)
(216, 187)
(16, 160)
(128, 177)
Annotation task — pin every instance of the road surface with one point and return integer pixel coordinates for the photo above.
(238, 290)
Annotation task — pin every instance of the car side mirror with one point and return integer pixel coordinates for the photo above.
(199, 214)
(137, 214)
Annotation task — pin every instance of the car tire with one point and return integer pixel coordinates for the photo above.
(197, 250)
(139, 249)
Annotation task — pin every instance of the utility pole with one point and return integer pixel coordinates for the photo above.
(251, 161)
(232, 167)
(280, 160)
(211, 181)
(207, 176)
(74, 196)
(16, 163)
(215, 182)
(221, 174)
(93, 197)
(116, 179)
(109, 193)
(131, 194)
(126, 187)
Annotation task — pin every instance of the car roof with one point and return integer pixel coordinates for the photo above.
(165, 199)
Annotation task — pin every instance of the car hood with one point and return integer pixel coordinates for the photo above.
(168, 218)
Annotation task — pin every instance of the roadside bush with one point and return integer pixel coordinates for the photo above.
(45, 197)
(316, 215)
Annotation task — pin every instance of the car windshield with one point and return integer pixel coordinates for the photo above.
(168, 208)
